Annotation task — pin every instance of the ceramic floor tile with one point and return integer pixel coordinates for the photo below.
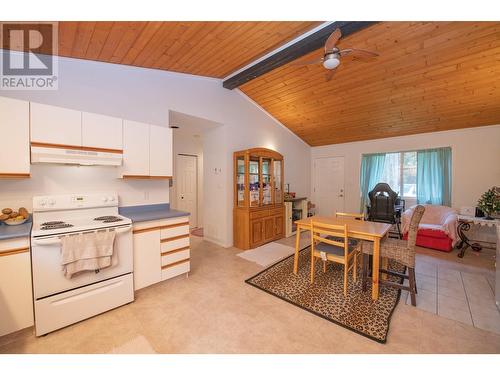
(449, 274)
(425, 282)
(449, 292)
(448, 284)
(450, 303)
(427, 269)
(486, 319)
(426, 301)
(463, 316)
(480, 301)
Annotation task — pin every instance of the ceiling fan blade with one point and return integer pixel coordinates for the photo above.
(356, 52)
(307, 62)
(332, 40)
(329, 74)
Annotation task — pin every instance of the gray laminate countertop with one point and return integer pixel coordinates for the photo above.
(8, 232)
(150, 212)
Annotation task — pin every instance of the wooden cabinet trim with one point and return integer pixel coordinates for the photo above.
(160, 227)
(174, 238)
(175, 225)
(146, 177)
(15, 175)
(137, 231)
(175, 251)
(14, 251)
(175, 263)
(72, 147)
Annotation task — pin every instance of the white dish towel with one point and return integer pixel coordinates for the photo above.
(87, 252)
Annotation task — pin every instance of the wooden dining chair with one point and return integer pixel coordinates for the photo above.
(401, 251)
(351, 215)
(331, 243)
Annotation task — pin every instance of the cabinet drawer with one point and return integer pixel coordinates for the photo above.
(174, 230)
(170, 271)
(259, 214)
(174, 256)
(174, 243)
(276, 211)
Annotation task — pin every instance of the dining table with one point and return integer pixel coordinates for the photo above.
(358, 229)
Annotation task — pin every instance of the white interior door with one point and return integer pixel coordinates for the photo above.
(328, 188)
(186, 188)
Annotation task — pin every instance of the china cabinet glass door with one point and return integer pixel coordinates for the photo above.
(240, 177)
(278, 193)
(254, 183)
(266, 181)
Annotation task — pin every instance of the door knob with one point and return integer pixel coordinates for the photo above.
(341, 195)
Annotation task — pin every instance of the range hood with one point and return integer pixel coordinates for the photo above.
(60, 154)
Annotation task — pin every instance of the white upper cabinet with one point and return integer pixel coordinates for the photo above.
(135, 149)
(101, 131)
(55, 125)
(160, 151)
(15, 136)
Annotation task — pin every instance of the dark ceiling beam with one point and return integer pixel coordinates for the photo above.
(300, 48)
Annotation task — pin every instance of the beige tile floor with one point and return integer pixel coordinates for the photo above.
(214, 311)
(457, 294)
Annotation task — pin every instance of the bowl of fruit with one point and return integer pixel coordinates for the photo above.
(11, 217)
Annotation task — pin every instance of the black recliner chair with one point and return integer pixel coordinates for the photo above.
(385, 206)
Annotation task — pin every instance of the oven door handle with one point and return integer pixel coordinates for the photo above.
(57, 240)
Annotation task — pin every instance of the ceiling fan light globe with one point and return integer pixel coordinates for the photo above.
(331, 63)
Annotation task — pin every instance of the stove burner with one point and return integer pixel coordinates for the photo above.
(53, 223)
(115, 219)
(108, 219)
(58, 225)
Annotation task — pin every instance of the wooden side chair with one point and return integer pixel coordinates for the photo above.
(354, 216)
(331, 243)
(400, 251)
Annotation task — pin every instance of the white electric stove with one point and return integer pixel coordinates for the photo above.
(59, 301)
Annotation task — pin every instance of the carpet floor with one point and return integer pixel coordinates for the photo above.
(325, 297)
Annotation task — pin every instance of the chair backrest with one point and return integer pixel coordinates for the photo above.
(320, 230)
(382, 201)
(418, 212)
(348, 214)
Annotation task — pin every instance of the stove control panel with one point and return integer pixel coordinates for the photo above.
(74, 201)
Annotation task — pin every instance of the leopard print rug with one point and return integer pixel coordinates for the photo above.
(325, 297)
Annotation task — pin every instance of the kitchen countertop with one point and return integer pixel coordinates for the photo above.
(150, 212)
(8, 232)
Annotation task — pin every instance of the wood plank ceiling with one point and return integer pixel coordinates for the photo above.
(213, 49)
(430, 76)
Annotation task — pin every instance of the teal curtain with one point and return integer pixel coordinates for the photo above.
(372, 168)
(434, 176)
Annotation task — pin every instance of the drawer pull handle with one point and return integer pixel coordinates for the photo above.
(175, 263)
(175, 251)
(175, 238)
(14, 251)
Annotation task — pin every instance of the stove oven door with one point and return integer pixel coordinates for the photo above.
(48, 277)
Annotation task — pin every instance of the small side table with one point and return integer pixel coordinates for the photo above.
(464, 225)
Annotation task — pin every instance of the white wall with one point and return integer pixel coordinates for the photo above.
(147, 95)
(188, 143)
(475, 160)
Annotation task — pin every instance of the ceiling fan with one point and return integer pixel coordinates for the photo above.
(332, 55)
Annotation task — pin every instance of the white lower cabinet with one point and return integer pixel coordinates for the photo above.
(161, 250)
(16, 296)
(146, 258)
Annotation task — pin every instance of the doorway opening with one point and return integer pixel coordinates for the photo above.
(186, 192)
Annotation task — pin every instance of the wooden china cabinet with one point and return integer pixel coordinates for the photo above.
(259, 210)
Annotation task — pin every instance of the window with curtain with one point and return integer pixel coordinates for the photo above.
(423, 176)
